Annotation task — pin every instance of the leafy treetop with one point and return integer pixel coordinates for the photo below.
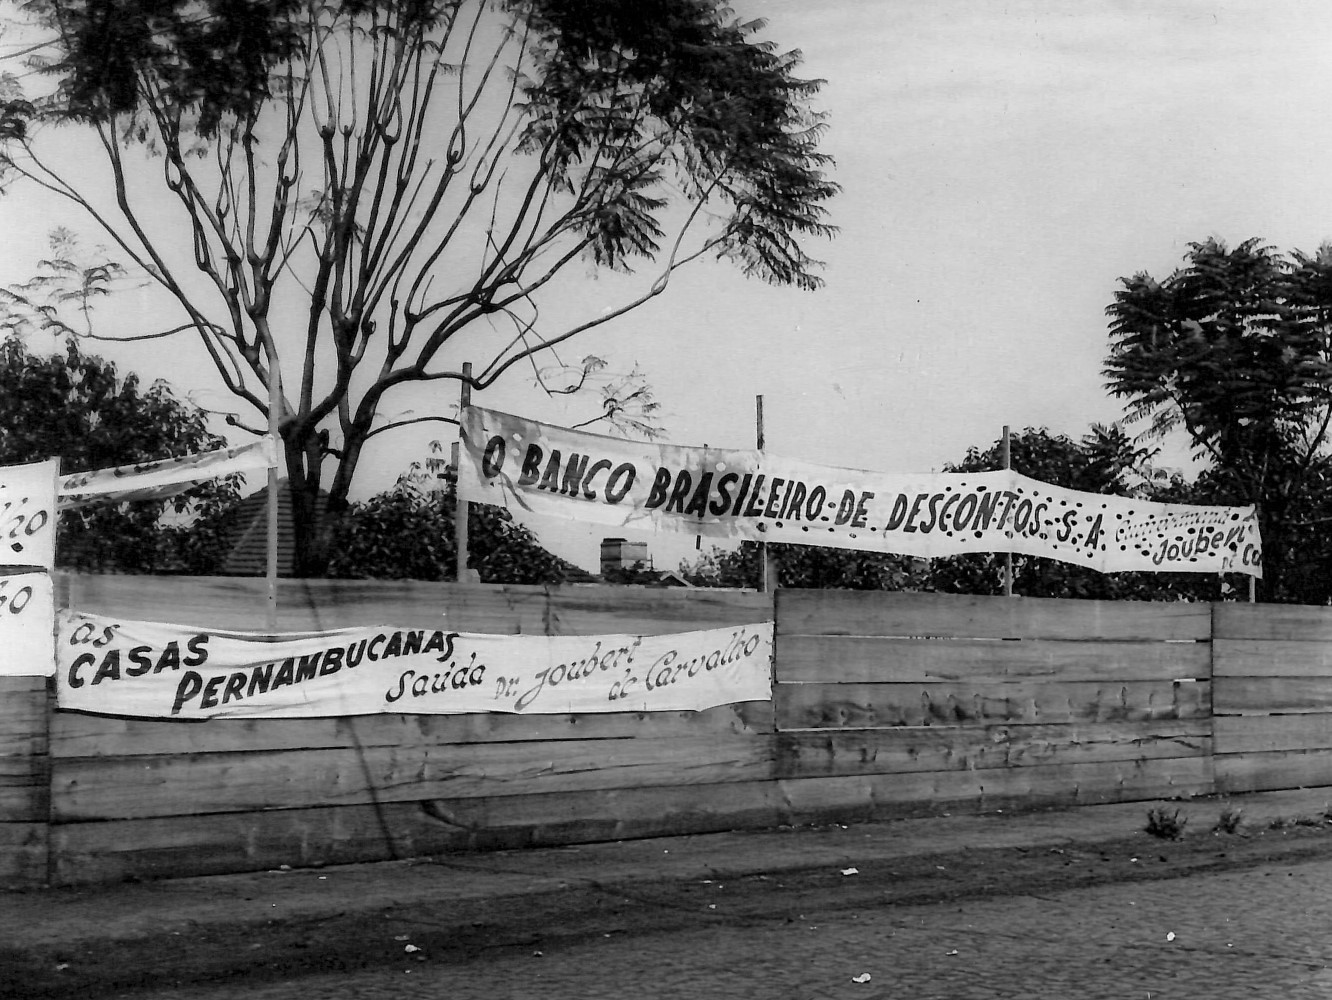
(416, 176)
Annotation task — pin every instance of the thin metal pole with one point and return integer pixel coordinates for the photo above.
(1008, 556)
(767, 564)
(461, 508)
(1253, 580)
(274, 426)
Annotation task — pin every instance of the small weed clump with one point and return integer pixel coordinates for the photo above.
(1229, 820)
(1165, 824)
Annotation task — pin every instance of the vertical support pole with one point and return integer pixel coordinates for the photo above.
(1253, 580)
(274, 427)
(767, 564)
(461, 507)
(1008, 556)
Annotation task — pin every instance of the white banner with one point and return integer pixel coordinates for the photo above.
(27, 514)
(556, 472)
(164, 478)
(114, 666)
(27, 618)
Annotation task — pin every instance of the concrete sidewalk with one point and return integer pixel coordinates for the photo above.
(46, 930)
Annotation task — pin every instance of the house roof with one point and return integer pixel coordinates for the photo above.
(248, 554)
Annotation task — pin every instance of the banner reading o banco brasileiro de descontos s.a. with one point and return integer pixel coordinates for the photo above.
(552, 471)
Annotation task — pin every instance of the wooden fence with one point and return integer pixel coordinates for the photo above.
(890, 704)
(25, 782)
(1272, 669)
(883, 705)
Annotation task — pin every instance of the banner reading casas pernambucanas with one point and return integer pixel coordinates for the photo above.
(525, 465)
(114, 666)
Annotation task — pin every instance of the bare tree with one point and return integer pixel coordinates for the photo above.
(418, 176)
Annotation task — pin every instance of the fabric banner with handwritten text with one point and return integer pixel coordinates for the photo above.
(27, 514)
(27, 611)
(115, 666)
(553, 471)
(163, 478)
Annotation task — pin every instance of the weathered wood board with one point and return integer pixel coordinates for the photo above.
(1271, 658)
(24, 762)
(597, 610)
(87, 788)
(1258, 772)
(1250, 733)
(246, 841)
(865, 706)
(23, 855)
(23, 716)
(1279, 622)
(843, 659)
(24, 791)
(882, 796)
(74, 734)
(938, 748)
(1271, 695)
(240, 603)
(846, 612)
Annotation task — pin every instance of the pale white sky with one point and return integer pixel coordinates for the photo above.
(1004, 164)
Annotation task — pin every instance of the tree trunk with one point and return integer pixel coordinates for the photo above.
(314, 524)
(309, 554)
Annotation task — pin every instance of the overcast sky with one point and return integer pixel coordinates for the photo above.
(1003, 164)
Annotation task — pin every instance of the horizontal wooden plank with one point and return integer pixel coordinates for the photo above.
(1305, 623)
(74, 734)
(1271, 695)
(23, 855)
(23, 710)
(1249, 733)
(25, 743)
(1271, 658)
(850, 612)
(220, 602)
(836, 658)
(24, 790)
(938, 748)
(870, 706)
(18, 687)
(504, 609)
(598, 610)
(1260, 772)
(180, 846)
(86, 788)
(884, 796)
(635, 610)
(247, 841)
(241, 602)
(497, 610)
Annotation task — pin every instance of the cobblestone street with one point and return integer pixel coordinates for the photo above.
(1262, 932)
